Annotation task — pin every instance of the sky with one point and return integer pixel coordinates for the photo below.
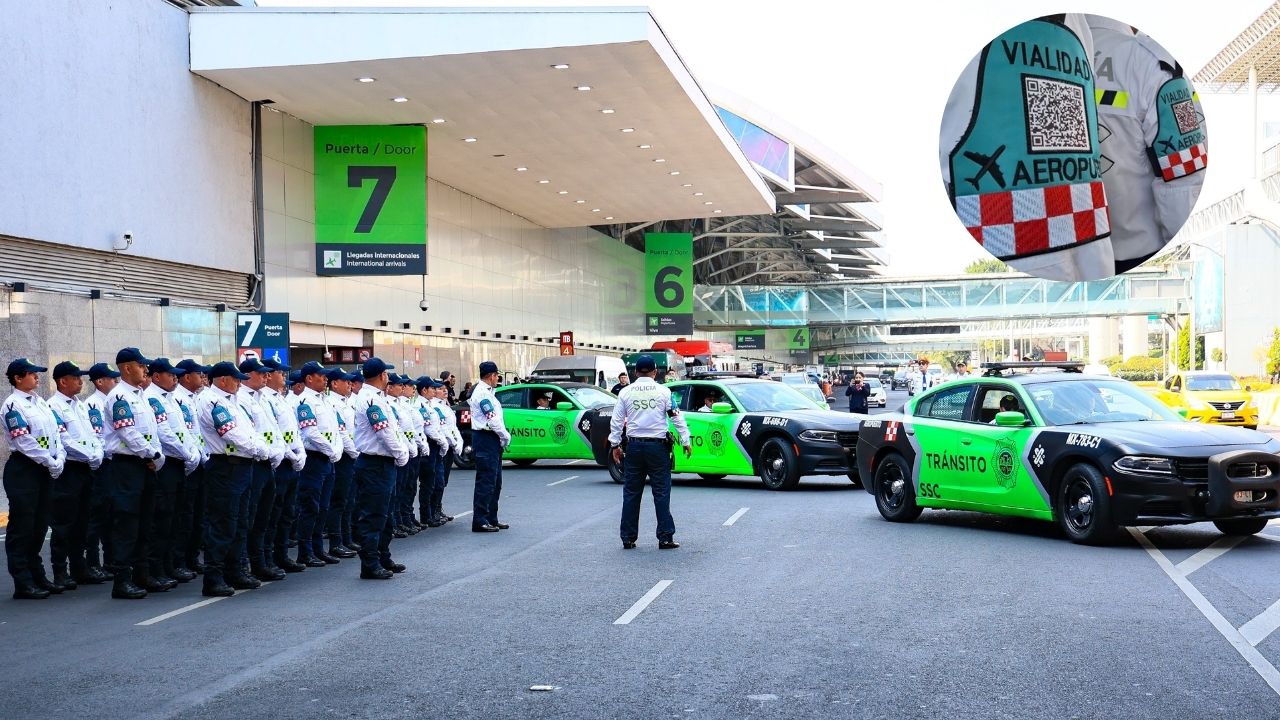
(869, 80)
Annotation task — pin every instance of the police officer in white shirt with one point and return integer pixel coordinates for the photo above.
(233, 445)
(322, 439)
(342, 503)
(275, 560)
(262, 491)
(449, 421)
(410, 420)
(436, 433)
(36, 460)
(132, 438)
(644, 409)
(382, 452)
(489, 437)
(191, 396)
(182, 454)
(1154, 145)
(104, 379)
(70, 499)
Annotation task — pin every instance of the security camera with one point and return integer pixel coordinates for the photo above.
(424, 305)
(123, 242)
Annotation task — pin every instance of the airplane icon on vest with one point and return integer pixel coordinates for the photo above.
(1168, 146)
(987, 164)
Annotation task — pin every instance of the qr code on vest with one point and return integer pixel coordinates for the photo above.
(1185, 113)
(1056, 117)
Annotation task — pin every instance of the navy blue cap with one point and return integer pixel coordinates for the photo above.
(311, 368)
(23, 365)
(646, 364)
(295, 377)
(226, 369)
(191, 366)
(488, 366)
(163, 365)
(131, 354)
(424, 382)
(335, 373)
(66, 368)
(374, 366)
(97, 371)
(356, 376)
(276, 366)
(253, 364)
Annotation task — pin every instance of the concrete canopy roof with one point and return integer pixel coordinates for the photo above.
(490, 75)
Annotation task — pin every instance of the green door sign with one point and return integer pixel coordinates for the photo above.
(668, 264)
(371, 200)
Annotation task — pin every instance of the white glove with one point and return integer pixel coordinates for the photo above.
(190, 465)
(159, 462)
(298, 462)
(335, 457)
(55, 472)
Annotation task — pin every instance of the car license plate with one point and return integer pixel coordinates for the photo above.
(1228, 416)
(1244, 496)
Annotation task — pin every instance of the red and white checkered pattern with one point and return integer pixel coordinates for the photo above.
(1014, 223)
(1184, 162)
(890, 431)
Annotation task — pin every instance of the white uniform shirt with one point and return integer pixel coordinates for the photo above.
(131, 427)
(80, 441)
(98, 417)
(486, 412)
(449, 421)
(264, 420)
(33, 429)
(412, 414)
(644, 407)
(433, 424)
(190, 404)
(346, 415)
(286, 415)
(175, 442)
(1149, 210)
(319, 425)
(227, 427)
(376, 431)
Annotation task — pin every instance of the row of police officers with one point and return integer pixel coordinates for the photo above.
(178, 470)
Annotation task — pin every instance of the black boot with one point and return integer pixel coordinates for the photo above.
(82, 574)
(215, 586)
(284, 562)
(124, 587)
(240, 581)
(43, 583)
(153, 582)
(63, 579)
(267, 574)
(326, 557)
(28, 591)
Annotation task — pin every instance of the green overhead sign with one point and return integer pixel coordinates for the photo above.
(668, 264)
(798, 340)
(371, 200)
(749, 340)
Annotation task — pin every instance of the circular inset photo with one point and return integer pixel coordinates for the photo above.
(1073, 147)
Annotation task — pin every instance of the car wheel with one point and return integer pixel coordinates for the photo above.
(1083, 508)
(524, 462)
(778, 467)
(853, 478)
(1242, 526)
(895, 495)
(465, 460)
(711, 476)
(615, 469)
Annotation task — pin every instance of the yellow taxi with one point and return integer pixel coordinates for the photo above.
(1210, 397)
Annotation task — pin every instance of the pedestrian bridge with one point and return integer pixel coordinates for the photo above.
(942, 300)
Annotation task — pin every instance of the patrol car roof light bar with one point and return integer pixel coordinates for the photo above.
(991, 369)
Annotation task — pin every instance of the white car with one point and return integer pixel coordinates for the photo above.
(1096, 369)
(878, 396)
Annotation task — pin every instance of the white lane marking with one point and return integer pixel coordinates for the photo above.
(642, 603)
(181, 610)
(1215, 550)
(1261, 627)
(734, 517)
(1228, 631)
(571, 477)
(462, 514)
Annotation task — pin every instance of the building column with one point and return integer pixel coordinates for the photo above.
(1135, 336)
(1104, 339)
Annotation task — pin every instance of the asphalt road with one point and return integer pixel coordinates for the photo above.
(807, 604)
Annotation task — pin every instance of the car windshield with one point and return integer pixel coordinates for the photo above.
(1096, 401)
(770, 397)
(591, 397)
(1212, 382)
(872, 382)
(814, 393)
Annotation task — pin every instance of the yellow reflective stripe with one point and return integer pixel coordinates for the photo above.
(1113, 98)
(1195, 96)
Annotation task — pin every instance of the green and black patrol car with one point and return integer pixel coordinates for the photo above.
(560, 432)
(1091, 453)
(755, 427)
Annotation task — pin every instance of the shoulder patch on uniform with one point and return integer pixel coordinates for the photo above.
(440, 414)
(377, 419)
(186, 414)
(1180, 147)
(95, 419)
(223, 421)
(158, 408)
(62, 424)
(121, 414)
(16, 424)
(306, 417)
(486, 407)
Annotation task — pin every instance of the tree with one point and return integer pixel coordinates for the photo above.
(1182, 349)
(1216, 355)
(990, 265)
(1273, 354)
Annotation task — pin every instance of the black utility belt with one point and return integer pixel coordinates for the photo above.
(318, 454)
(372, 456)
(648, 439)
(132, 458)
(233, 459)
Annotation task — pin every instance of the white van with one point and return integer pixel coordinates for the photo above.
(599, 370)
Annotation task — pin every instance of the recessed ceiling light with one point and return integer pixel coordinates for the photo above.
(659, 159)
(468, 140)
(628, 130)
(687, 185)
(580, 202)
(674, 172)
(560, 66)
(521, 169)
(708, 203)
(563, 192)
(697, 194)
(437, 121)
(644, 147)
(543, 182)
(607, 111)
(582, 88)
(366, 79)
(595, 209)
(717, 211)
(400, 99)
(609, 217)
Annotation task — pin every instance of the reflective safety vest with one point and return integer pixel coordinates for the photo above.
(1025, 176)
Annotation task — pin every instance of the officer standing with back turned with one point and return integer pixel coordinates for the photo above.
(644, 408)
(489, 437)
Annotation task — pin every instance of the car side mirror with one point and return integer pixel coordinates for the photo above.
(722, 408)
(1184, 412)
(564, 406)
(1248, 388)
(1010, 418)
(831, 400)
